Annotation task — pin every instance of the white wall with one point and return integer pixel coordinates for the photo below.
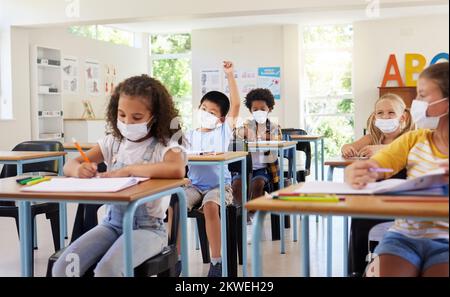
(129, 61)
(44, 12)
(375, 40)
(17, 128)
(250, 48)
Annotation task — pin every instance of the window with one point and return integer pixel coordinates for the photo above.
(328, 99)
(104, 33)
(171, 64)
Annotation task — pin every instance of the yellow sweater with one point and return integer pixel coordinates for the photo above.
(416, 152)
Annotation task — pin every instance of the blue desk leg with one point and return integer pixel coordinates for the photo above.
(244, 216)
(345, 246)
(196, 237)
(294, 181)
(282, 243)
(304, 247)
(316, 161)
(25, 238)
(316, 166)
(329, 246)
(322, 157)
(223, 221)
(330, 173)
(184, 237)
(128, 239)
(62, 207)
(258, 227)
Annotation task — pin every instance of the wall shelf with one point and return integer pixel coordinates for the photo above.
(46, 114)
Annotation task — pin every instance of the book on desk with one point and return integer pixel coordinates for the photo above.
(432, 184)
(72, 184)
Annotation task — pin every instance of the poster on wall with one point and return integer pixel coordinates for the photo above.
(269, 78)
(247, 81)
(110, 78)
(210, 81)
(70, 75)
(92, 75)
(226, 86)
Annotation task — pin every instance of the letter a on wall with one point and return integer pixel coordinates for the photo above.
(396, 76)
(412, 68)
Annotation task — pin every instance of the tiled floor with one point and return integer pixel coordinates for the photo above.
(274, 264)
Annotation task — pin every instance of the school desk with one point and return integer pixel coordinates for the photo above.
(222, 160)
(19, 158)
(132, 197)
(70, 147)
(315, 139)
(280, 147)
(338, 162)
(363, 206)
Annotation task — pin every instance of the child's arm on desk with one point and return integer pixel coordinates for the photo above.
(173, 166)
(79, 168)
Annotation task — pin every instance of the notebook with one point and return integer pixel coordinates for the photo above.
(85, 184)
(266, 142)
(395, 186)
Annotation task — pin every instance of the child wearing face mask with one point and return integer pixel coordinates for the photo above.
(390, 119)
(260, 102)
(140, 143)
(410, 247)
(217, 118)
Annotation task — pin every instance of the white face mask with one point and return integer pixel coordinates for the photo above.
(419, 114)
(133, 132)
(260, 116)
(207, 120)
(387, 125)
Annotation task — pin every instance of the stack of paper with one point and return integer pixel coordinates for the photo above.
(85, 184)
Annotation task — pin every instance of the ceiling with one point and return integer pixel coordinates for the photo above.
(310, 18)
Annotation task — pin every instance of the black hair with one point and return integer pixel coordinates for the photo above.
(260, 95)
(218, 98)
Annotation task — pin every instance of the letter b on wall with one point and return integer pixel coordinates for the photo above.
(414, 65)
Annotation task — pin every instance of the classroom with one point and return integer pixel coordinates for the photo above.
(244, 139)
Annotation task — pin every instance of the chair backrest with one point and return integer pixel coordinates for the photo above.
(173, 232)
(47, 166)
(301, 146)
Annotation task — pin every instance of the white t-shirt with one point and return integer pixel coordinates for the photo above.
(131, 153)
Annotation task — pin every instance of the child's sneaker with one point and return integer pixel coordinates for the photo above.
(215, 270)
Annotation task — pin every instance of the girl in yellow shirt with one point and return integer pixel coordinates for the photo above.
(413, 248)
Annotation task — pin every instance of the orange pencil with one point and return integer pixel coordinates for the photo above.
(86, 159)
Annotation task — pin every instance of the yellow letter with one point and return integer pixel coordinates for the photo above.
(411, 69)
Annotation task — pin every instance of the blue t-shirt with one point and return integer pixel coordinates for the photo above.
(207, 177)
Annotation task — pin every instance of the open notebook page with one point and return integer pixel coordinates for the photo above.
(432, 179)
(85, 185)
(316, 187)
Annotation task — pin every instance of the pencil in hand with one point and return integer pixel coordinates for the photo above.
(77, 145)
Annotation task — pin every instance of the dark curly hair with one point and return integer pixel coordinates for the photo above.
(260, 95)
(165, 121)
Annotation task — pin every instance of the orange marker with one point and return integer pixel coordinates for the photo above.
(86, 159)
